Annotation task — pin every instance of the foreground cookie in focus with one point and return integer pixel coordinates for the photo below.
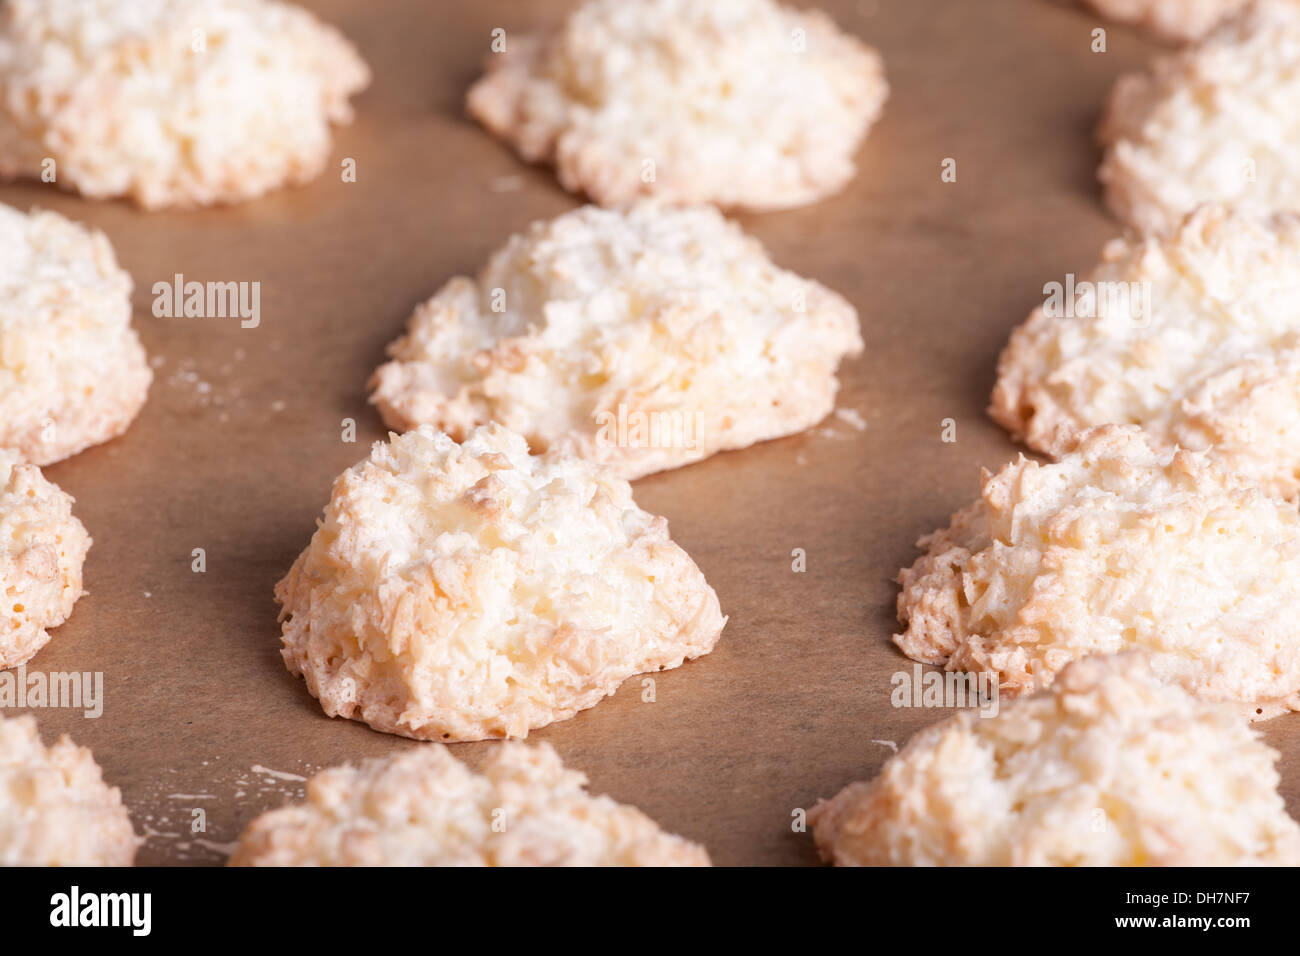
(1175, 21)
(72, 371)
(1195, 337)
(739, 103)
(460, 592)
(1119, 545)
(1108, 768)
(644, 340)
(42, 549)
(55, 809)
(423, 807)
(1213, 123)
(170, 102)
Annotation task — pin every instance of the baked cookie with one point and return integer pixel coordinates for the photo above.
(55, 809)
(1175, 21)
(72, 372)
(1107, 768)
(170, 102)
(642, 339)
(423, 807)
(460, 592)
(1212, 123)
(1195, 337)
(1119, 545)
(739, 103)
(42, 549)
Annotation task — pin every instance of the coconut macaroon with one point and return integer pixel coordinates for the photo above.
(42, 549)
(1175, 21)
(1215, 122)
(739, 103)
(423, 807)
(643, 339)
(460, 592)
(55, 808)
(170, 102)
(1109, 767)
(1119, 545)
(72, 371)
(1195, 337)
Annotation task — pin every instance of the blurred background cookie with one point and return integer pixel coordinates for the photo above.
(170, 102)
(42, 549)
(740, 103)
(1175, 21)
(72, 371)
(55, 808)
(1194, 336)
(642, 339)
(423, 807)
(1108, 768)
(1213, 123)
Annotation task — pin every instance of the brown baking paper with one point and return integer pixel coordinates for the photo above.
(242, 434)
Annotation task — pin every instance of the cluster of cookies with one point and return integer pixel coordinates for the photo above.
(486, 571)
(1141, 587)
(172, 103)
